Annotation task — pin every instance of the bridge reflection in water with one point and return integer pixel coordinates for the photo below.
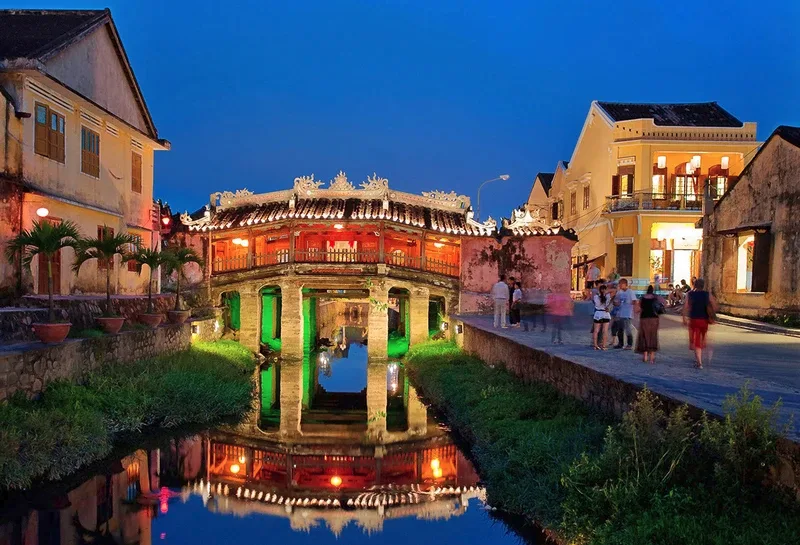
(338, 442)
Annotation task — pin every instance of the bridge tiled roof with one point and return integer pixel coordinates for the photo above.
(342, 209)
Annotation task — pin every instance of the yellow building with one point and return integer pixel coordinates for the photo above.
(77, 139)
(633, 188)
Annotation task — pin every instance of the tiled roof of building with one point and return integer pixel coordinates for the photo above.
(33, 33)
(547, 180)
(344, 209)
(696, 114)
(790, 134)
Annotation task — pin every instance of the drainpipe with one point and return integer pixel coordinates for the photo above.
(708, 208)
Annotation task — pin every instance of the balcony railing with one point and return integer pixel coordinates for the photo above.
(338, 256)
(342, 255)
(647, 200)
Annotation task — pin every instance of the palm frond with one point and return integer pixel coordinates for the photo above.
(179, 257)
(42, 238)
(103, 249)
(146, 256)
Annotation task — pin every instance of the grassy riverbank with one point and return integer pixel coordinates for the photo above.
(647, 479)
(72, 425)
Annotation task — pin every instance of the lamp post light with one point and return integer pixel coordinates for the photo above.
(503, 177)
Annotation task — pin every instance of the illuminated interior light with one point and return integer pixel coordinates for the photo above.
(336, 481)
(438, 245)
(435, 464)
(237, 241)
(42, 212)
(235, 468)
(338, 226)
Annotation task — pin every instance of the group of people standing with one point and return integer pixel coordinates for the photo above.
(614, 307)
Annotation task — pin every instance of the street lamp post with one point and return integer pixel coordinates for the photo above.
(503, 177)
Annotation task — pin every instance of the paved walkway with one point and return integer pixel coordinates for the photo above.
(769, 362)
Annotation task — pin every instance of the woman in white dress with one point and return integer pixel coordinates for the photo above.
(602, 317)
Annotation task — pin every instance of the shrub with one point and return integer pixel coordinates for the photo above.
(74, 424)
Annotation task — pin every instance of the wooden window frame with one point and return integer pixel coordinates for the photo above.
(587, 200)
(136, 177)
(49, 142)
(573, 203)
(133, 248)
(90, 161)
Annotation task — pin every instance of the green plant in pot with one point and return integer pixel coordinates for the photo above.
(153, 259)
(45, 239)
(177, 260)
(103, 249)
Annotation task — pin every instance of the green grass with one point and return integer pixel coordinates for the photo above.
(650, 478)
(71, 425)
(523, 437)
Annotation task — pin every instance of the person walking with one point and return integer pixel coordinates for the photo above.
(516, 303)
(592, 278)
(651, 306)
(500, 297)
(698, 313)
(601, 318)
(625, 302)
(559, 307)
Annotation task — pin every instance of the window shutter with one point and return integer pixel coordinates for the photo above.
(136, 172)
(762, 248)
(60, 151)
(615, 185)
(41, 145)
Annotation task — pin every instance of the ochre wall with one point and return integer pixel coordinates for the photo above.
(540, 263)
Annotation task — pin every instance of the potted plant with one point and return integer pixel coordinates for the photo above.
(153, 259)
(103, 249)
(45, 239)
(178, 258)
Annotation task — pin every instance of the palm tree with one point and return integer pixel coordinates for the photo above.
(45, 239)
(178, 258)
(103, 249)
(153, 259)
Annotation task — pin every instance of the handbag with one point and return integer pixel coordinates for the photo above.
(658, 307)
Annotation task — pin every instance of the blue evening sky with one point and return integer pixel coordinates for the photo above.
(431, 94)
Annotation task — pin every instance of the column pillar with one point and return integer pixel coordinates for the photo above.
(419, 300)
(291, 397)
(378, 320)
(250, 316)
(416, 414)
(292, 320)
(377, 398)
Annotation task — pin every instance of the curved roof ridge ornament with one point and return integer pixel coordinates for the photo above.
(341, 183)
(525, 222)
(199, 223)
(486, 228)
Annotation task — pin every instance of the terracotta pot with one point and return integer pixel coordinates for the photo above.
(51, 333)
(151, 320)
(111, 325)
(178, 316)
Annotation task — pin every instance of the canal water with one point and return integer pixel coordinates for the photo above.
(342, 451)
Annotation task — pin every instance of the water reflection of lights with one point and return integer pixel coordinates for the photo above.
(324, 360)
(392, 377)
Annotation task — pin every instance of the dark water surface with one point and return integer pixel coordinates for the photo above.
(340, 450)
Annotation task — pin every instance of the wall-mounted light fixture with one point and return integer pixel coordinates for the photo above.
(445, 325)
(338, 226)
(438, 245)
(195, 329)
(696, 161)
(42, 212)
(724, 162)
(662, 161)
(459, 329)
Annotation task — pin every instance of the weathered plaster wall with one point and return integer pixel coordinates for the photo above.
(768, 192)
(92, 67)
(540, 263)
(31, 370)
